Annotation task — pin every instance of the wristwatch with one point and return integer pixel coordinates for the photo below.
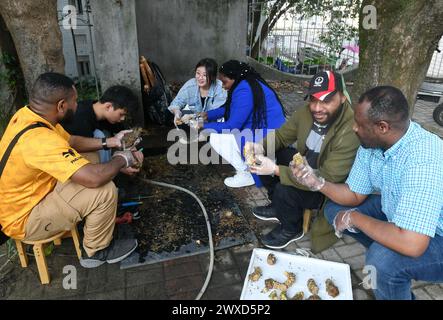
(104, 144)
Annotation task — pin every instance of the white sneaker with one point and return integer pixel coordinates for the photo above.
(241, 179)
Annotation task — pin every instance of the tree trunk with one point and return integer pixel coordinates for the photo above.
(255, 13)
(277, 10)
(36, 34)
(399, 51)
(8, 91)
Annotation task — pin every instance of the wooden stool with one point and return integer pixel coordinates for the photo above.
(307, 215)
(38, 248)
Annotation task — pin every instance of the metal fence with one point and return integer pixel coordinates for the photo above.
(294, 44)
(436, 67)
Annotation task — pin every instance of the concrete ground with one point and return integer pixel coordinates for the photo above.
(183, 278)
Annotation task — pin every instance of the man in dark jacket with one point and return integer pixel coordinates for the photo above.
(103, 118)
(322, 133)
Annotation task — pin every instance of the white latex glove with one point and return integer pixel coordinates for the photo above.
(116, 141)
(307, 176)
(128, 156)
(266, 167)
(121, 134)
(196, 124)
(342, 222)
(177, 116)
(138, 155)
(187, 117)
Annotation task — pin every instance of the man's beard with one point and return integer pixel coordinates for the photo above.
(331, 117)
(69, 116)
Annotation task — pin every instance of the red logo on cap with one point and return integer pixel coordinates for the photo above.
(331, 87)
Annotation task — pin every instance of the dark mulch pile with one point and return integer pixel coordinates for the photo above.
(172, 218)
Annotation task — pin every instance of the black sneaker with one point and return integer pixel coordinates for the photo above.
(271, 234)
(115, 252)
(266, 213)
(281, 238)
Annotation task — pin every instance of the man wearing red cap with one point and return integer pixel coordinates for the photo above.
(322, 132)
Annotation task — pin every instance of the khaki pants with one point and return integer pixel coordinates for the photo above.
(68, 204)
(92, 157)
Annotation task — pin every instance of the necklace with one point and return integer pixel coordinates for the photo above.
(320, 127)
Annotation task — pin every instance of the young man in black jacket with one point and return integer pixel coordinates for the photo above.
(103, 118)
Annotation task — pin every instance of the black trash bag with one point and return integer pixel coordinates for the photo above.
(158, 99)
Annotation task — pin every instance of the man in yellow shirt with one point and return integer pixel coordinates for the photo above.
(46, 185)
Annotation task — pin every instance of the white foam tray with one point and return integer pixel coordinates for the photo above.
(304, 268)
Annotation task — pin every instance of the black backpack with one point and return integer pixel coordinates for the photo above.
(157, 100)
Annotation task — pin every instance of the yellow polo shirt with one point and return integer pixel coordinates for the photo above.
(40, 158)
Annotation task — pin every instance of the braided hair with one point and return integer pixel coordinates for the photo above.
(239, 71)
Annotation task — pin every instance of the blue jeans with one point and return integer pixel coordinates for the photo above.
(105, 155)
(394, 271)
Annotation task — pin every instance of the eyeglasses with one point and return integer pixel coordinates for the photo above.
(199, 75)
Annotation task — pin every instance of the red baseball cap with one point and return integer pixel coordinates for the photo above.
(324, 85)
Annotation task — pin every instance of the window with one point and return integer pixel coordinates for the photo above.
(81, 44)
(83, 66)
(78, 5)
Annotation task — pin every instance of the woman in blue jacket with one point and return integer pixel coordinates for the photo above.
(252, 108)
(201, 93)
